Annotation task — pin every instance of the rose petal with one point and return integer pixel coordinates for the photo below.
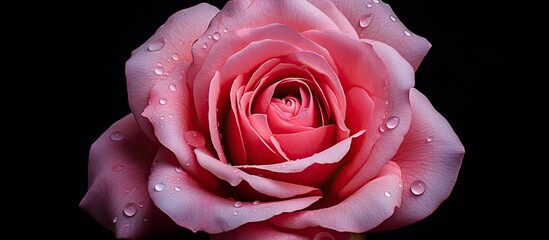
(431, 153)
(310, 171)
(328, 8)
(381, 27)
(250, 14)
(251, 231)
(154, 59)
(360, 212)
(385, 141)
(117, 197)
(235, 176)
(303, 144)
(240, 51)
(169, 113)
(192, 206)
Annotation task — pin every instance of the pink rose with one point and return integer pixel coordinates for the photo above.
(274, 119)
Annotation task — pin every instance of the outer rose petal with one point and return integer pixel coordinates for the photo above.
(360, 212)
(154, 59)
(431, 152)
(382, 28)
(119, 166)
(192, 206)
(251, 231)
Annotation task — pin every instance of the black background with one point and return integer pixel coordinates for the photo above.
(460, 75)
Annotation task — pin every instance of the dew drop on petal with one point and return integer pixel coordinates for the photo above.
(159, 187)
(238, 204)
(225, 30)
(116, 136)
(156, 45)
(205, 45)
(387, 194)
(175, 56)
(216, 35)
(163, 101)
(392, 122)
(130, 210)
(256, 202)
(172, 87)
(323, 236)
(235, 213)
(114, 219)
(369, 5)
(178, 170)
(177, 188)
(393, 18)
(145, 219)
(407, 33)
(382, 128)
(417, 187)
(158, 70)
(376, 1)
(141, 204)
(366, 20)
(429, 139)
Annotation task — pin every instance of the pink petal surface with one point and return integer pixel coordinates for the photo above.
(229, 56)
(376, 20)
(360, 212)
(157, 57)
(391, 110)
(266, 186)
(190, 205)
(431, 153)
(169, 112)
(304, 144)
(251, 231)
(117, 197)
(310, 171)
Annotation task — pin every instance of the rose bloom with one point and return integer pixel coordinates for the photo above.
(274, 119)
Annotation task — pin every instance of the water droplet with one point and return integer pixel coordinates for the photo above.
(117, 136)
(382, 128)
(130, 210)
(399, 184)
(323, 236)
(369, 5)
(216, 35)
(225, 30)
(238, 204)
(177, 188)
(187, 164)
(172, 87)
(387, 194)
(366, 20)
(205, 45)
(256, 202)
(393, 18)
(158, 71)
(175, 56)
(235, 213)
(170, 115)
(392, 122)
(145, 219)
(417, 187)
(117, 168)
(195, 139)
(178, 170)
(407, 33)
(156, 45)
(127, 224)
(429, 139)
(159, 187)
(376, 1)
(163, 101)
(141, 204)
(114, 219)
